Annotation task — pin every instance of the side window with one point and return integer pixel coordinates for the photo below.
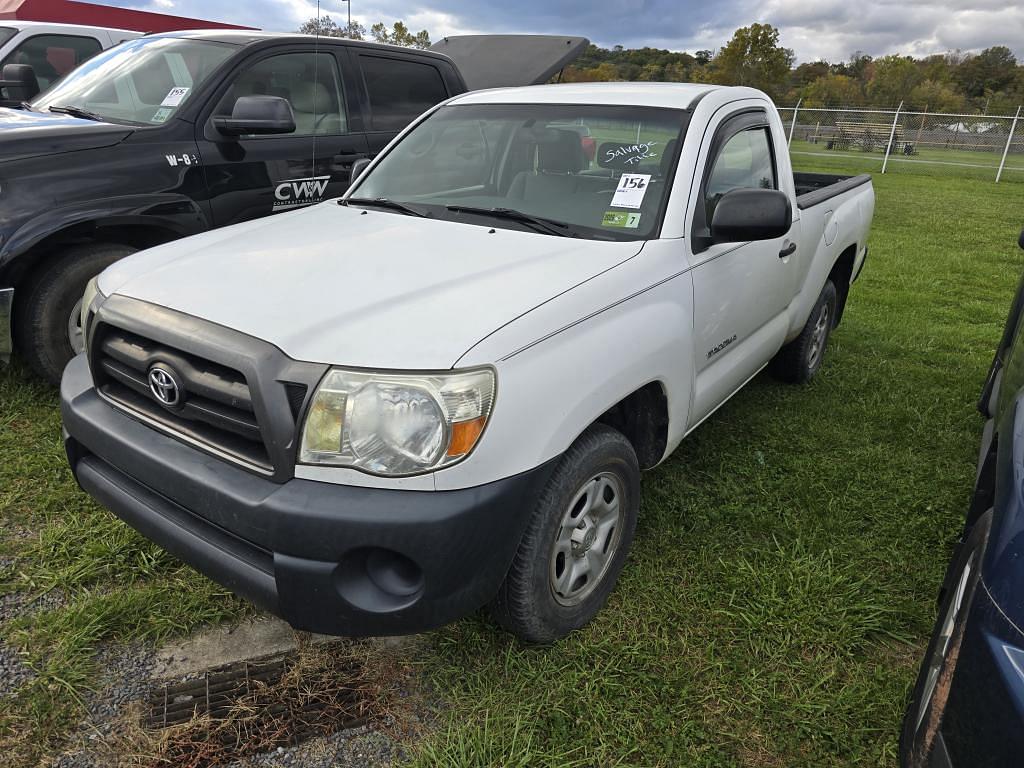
(53, 56)
(400, 90)
(309, 81)
(745, 162)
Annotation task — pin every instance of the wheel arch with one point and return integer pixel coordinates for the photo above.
(841, 275)
(642, 416)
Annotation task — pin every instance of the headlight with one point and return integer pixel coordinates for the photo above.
(396, 424)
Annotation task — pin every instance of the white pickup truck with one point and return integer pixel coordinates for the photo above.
(380, 413)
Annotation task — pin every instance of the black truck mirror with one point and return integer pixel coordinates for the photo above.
(751, 214)
(257, 116)
(19, 83)
(358, 167)
(1020, 240)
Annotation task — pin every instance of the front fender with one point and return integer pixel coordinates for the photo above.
(551, 390)
(175, 214)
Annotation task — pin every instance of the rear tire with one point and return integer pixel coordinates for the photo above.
(798, 361)
(576, 540)
(44, 321)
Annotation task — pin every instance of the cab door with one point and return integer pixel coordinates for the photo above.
(741, 290)
(253, 176)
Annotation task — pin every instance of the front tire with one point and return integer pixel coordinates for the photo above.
(47, 329)
(923, 718)
(798, 361)
(576, 541)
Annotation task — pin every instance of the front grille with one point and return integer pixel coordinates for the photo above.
(215, 410)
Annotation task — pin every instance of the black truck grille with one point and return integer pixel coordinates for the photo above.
(214, 409)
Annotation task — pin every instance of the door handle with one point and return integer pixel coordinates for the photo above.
(349, 157)
(789, 250)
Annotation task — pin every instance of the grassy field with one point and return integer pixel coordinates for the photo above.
(927, 161)
(782, 582)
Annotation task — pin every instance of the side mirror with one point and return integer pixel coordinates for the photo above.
(1020, 240)
(257, 116)
(751, 214)
(19, 82)
(357, 168)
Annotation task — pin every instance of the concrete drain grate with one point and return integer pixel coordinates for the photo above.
(252, 706)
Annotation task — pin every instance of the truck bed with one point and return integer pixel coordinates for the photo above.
(816, 188)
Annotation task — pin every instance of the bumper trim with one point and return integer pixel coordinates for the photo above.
(239, 566)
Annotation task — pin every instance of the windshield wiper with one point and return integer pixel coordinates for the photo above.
(383, 202)
(85, 114)
(539, 223)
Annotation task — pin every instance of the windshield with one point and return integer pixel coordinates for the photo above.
(143, 81)
(6, 33)
(592, 171)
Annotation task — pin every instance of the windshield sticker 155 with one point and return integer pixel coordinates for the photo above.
(174, 97)
(621, 219)
(295, 193)
(631, 190)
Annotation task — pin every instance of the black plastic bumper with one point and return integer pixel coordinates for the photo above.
(327, 558)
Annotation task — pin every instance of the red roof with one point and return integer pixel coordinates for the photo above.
(72, 12)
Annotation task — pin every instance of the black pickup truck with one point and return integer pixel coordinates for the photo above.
(170, 135)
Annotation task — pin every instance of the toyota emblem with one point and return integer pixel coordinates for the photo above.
(164, 386)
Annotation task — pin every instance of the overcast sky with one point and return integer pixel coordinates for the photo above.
(830, 29)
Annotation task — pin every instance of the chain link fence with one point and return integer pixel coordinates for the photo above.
(894, 141)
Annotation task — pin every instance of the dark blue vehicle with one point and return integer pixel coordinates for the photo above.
(968, 705)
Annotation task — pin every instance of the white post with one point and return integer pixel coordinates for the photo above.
(892, 135)
(793, 124)
(1006, 149)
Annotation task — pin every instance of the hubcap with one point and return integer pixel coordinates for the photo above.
(819, 337)
(938, 659)
(587, 539)
(75, 335)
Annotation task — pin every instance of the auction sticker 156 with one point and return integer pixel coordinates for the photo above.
(631, 190)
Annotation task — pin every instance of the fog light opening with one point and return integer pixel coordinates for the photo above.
(379, 580)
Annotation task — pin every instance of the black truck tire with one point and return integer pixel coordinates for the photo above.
(798, 361)
(598, 473)
(43, 308)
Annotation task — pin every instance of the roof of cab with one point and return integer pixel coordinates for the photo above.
(670, 95)
(252, 37)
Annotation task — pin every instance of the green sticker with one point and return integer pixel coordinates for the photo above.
(621, 219)
(161, 115)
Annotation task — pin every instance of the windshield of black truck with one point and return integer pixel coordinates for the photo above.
(144, 81)
(593, 171)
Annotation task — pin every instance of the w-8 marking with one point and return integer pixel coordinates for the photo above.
(175, 160)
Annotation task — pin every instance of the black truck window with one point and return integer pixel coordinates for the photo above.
(53, 56)
(400, 90)
(309, 81)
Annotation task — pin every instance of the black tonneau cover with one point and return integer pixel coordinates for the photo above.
(498, 61)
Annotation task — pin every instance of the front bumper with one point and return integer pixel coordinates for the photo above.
(6, 308)
(327, 558)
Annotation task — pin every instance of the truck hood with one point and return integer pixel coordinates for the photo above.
(24, 133)
(375, 289)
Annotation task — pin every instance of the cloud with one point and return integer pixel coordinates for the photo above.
(830, 29)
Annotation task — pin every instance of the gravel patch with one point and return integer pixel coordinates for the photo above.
(15, 604)
(356, 748)
(14, 672)
(125, 678)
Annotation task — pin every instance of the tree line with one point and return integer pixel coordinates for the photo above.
(990, 82)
